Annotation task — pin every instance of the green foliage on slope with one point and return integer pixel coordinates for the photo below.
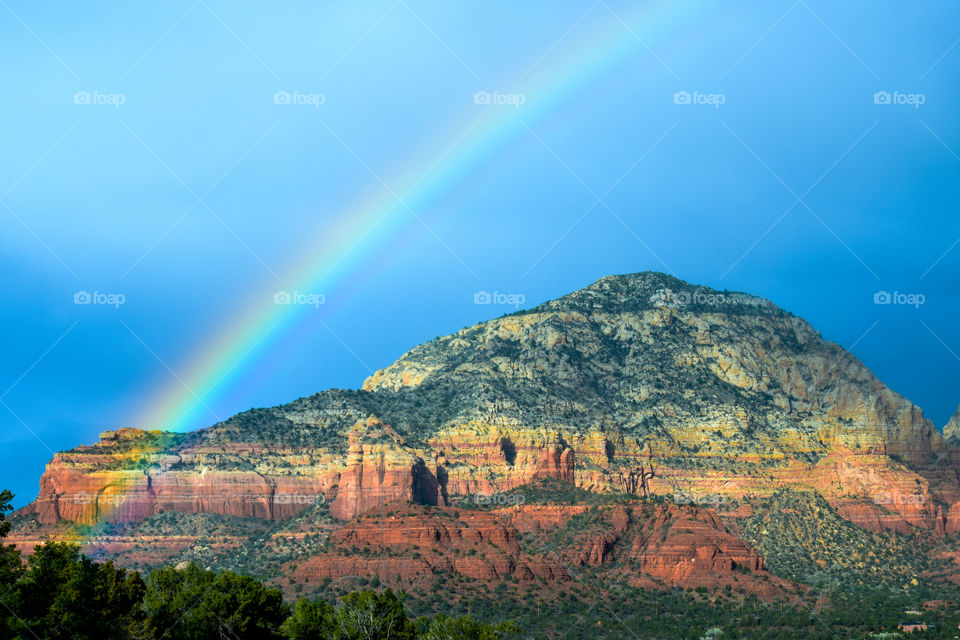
(64, 595)
(803, 539)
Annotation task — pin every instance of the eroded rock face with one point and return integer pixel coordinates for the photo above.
(89, 485)
(694, 547)
(380, 469)
(88, 498)
(649, 545)
(404, 541)
(724, 393)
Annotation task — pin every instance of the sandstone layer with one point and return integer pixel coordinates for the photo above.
(406, 542)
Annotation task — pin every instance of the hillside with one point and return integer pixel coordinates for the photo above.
(639, 386)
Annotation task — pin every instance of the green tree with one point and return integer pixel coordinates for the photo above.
(310, 621)
(367, 615)
(195, 604)
(466, 628)
(6, 497)
(11, 568)
(173, 597)
(65, 594)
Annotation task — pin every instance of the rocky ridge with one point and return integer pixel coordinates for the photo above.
(951, 430)
(720, 395)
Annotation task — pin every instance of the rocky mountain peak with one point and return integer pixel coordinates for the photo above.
(951, 431)
(647, 290)
(672, 365)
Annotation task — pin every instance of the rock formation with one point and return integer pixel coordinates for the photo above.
(407, 542)
(951, 430)
(638, 384)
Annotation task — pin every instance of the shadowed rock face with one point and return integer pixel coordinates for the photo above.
(723, 392)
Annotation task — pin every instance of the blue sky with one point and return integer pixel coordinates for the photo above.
(146, 155)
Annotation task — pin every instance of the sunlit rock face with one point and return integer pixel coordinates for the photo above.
(409, 543)
(951, 431)
(697, 391)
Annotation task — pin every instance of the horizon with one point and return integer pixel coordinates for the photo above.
(383, 164)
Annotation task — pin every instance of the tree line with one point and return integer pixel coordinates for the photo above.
(61, 594)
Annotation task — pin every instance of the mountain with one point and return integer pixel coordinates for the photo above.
(951, 430)
(691, 409)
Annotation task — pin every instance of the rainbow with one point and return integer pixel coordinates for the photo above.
(327, 262)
